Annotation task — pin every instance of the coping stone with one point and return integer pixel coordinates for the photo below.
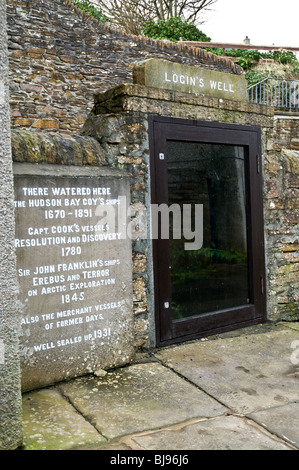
(190, 79)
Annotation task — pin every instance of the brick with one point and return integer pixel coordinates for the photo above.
(291, 247)
(46, 124)
(16, 113)
(24, 122)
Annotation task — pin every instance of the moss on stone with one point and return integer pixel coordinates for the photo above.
(55, 148)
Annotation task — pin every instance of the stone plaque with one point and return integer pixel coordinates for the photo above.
(190, 79)
(75, 276)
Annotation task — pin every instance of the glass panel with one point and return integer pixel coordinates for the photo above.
(214, 277)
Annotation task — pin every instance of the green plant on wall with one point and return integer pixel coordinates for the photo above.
(245, 62)
(247, 59)
(284, 57)
(173, 29)
(87, 6)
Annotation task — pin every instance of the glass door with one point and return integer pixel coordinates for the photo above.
(209, 265)
(214, 277)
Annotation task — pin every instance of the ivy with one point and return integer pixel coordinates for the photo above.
(254, 77)
(248, 58)
(88, 7)
(173, 29)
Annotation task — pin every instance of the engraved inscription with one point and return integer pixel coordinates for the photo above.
(74, 274)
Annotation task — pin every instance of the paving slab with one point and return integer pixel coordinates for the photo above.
(222, 433)
(138, 398)
(51, 423)
(247, 373)
(282, 421)
(294, 325)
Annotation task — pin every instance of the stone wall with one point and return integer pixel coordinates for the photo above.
(120, 123)
(117, 129)
(10, 396)
(60, 57)
(116, 135)
(281, 173)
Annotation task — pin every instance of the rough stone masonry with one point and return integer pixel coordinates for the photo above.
(10, 396)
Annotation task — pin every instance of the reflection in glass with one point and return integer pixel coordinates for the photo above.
(216, 276)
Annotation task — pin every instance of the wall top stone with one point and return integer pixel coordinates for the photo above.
(190, 79)
(122, 98)
(54, 148)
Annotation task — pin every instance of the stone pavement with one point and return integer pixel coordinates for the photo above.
(236, 391)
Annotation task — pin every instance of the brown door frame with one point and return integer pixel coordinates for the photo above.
(162, 129)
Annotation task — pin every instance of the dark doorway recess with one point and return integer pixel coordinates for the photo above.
(207, 228)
